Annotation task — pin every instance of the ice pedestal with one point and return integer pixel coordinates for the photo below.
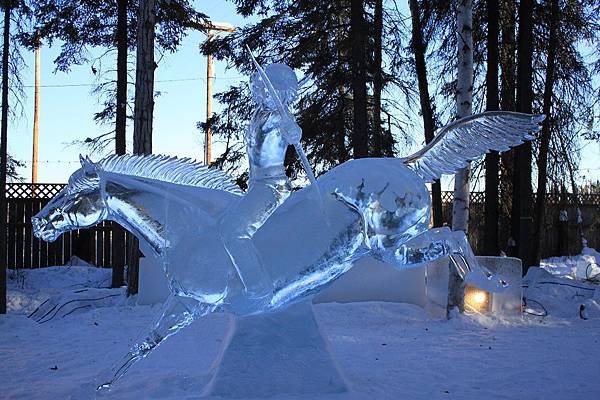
(273, 354)
(153, 287)
(373, 280)
(507, 302)
(437, 276)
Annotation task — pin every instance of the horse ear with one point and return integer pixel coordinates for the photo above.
(88, 166)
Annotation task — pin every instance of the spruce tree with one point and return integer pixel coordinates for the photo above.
(340, 108)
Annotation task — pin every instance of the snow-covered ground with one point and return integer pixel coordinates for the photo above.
(384, 350)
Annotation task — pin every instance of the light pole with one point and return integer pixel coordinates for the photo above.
(36, 117)
(212, 29)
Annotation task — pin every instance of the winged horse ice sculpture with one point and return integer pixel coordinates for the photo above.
(379, 207)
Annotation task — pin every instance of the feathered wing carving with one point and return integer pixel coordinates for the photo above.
(469, 138)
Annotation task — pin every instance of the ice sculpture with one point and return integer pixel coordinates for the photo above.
(268, 135)
(281, 251)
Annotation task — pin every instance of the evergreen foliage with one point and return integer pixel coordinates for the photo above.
(314, 38)
(83, 25)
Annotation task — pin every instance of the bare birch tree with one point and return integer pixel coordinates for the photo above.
(464, 94)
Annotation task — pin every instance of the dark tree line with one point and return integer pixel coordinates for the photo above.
(83, 28)
(526, 57)
(340, 47)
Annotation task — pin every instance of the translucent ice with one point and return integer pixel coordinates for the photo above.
(222, 250)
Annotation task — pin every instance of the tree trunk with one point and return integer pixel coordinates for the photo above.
(118, 238)
(508, 85)
(507, 55)
(490, 233)
(4, 159)
(464, 91)
(540, 205)
(564, 148)
(522, 196)
(358, 35)
(378, 142)
(144, 107)
(563, 224)
(342, 107)
(419, 48)
(121, 115)
(144, 79)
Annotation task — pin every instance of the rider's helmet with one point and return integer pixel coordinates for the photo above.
(284, 81)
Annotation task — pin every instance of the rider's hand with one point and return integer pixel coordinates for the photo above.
(291, 131)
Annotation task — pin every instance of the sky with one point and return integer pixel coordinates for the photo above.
(67, 107)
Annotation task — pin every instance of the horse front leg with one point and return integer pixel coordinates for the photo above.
(439, 242)
(177, 313)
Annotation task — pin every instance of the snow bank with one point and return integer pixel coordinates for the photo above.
(583, 266)
(559, 295)
(28, 288)
(385, 350)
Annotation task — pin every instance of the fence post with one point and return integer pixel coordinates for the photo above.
(133, 266)
(83, 245)
(563, 225)
(118, 256)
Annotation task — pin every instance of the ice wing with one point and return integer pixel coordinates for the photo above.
(469, 138)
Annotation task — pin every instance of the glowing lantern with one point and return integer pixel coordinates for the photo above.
(477, 300)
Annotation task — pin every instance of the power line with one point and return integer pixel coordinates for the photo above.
(25, 163)
(67, 85)
(99, 83)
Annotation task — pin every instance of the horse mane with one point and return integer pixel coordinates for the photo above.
(181, 171)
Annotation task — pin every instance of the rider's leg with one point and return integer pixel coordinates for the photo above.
(439, 242)
(237, 231)
(178, 312)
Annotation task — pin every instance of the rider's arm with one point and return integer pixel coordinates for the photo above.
(290, 129)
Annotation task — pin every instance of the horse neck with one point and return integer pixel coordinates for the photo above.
(136, 205)
(145, 207)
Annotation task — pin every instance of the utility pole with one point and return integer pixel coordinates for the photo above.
(212, 29)
(209, 84)
(36, 116)
(4, 156)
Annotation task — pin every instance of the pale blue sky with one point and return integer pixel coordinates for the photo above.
(66, 113)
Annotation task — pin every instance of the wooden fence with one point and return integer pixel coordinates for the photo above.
(558, 238)
(96, 245)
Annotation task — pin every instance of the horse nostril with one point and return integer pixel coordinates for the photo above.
(38, 224)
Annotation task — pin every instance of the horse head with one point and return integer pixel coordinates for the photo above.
(79, 205)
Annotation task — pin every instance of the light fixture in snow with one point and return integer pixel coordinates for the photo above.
(477, 300)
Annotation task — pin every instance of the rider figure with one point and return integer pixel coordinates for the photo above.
(267, 137)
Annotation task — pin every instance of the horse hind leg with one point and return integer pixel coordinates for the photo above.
(440, 242)
(177, 313)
